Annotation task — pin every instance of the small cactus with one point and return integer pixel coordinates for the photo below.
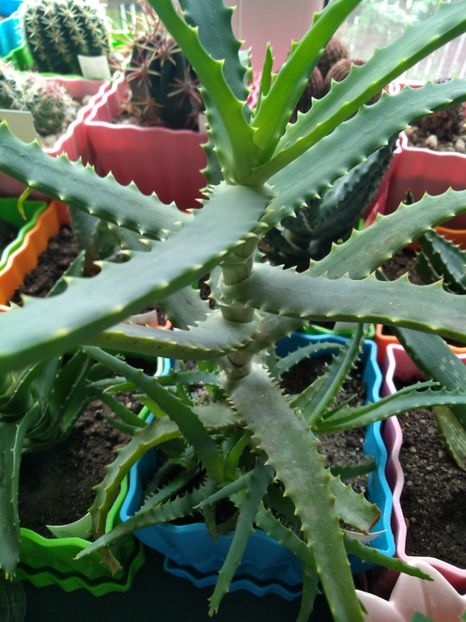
(11, 94)
(57, 31)
(164, 87)
(47, 102)
(334, 51)
(314, 90)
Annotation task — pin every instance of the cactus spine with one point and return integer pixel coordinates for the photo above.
(58, 30)
(46, 101)
(164, 88)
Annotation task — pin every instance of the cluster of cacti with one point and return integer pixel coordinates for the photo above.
(57, 31)
(270, 168)
(334, 51)
(446, 124)
(46, 101)
(164, 87)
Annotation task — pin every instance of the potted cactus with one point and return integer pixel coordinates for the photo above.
(159, 99)
(57, 110)
(269, 169)
(57, 32)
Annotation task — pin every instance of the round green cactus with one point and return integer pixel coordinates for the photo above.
(47, 103)
(57, 31)
(11, 95)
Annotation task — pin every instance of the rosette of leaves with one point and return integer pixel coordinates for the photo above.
(270, 168)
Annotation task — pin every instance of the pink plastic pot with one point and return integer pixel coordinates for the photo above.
(397, 364)
(425, 171)
(74, 142)
(436, 599)
(165, 161)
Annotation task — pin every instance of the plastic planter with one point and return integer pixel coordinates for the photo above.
(282, 26)
(24, 258)
(157, 159)
(73, 142)
(383, 340)
(7, 7)
(425, 171)
(11, 35)
(9, 214)
(398, 365)
(50, 561)
(267, 567)
(436, 599)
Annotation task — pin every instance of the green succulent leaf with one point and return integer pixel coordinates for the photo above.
(365, 81)
(445, 260)
(409, 398)
(394, 303)
(277, 105)
(229, 128)
(82, 188)
(387, 235)
(211, 338)
(185, 307)
(304, 478)
(45, 327)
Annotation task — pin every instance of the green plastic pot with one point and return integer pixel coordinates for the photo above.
(9, 213)
(50, 561)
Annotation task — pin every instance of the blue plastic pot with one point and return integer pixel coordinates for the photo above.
(11, 31)
(7, 7)
(267, 567)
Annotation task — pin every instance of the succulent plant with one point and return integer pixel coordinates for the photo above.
(164, 87)
(56, 31)
(309, 234)
(441, 259)
(47, 102)
(314, 90)
(270, 168)
(334, 51)
(11, 93)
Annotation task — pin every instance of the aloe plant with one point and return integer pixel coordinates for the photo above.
(269, 170)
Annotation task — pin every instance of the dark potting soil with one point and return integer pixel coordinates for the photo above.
(56, 485)
(340, 448)
(401, 263)
(7, 234)
(61, 251)
(434, 493)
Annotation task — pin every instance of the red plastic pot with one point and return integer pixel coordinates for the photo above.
(74, 142)
(157, 159)
(397, 364)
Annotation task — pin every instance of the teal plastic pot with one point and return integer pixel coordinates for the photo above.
(267, 567)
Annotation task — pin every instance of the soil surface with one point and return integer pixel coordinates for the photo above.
(417, 138)
(56, 485)
(61, 251)
(340, 448)
(7, 234)
(434, 494)
(403, 262)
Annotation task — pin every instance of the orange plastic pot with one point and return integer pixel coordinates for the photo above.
(25, 258)
(383, 340)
